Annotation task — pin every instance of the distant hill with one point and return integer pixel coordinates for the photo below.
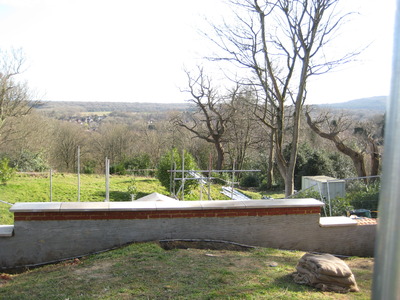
(377, 104)
(85, 107)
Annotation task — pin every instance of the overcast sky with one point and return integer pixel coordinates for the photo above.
(121, 50)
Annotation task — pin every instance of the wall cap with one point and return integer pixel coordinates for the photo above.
(160, 205)
(337, 221)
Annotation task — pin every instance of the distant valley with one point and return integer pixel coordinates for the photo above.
(371, 104)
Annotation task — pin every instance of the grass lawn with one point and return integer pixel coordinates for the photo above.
(36, 188)
(146, 271)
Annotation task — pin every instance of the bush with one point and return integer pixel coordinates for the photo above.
(138, 162)
(89, 167)
(28, 161)
(6, 172)
(358, 196)
(366, 197)
(250, 180)
(132, 189)
(340, 206)
(166, 163)
(118, 169)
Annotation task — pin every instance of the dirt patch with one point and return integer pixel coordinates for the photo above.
(361, 263)
(203, 244)
(98, 271)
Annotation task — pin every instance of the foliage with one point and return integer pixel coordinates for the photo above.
(6, 171)
(250, 180)
(89, 167)
(132, 188)
(167, 162)
(129, 165)
(308, 193)
(138, 162)
(366, 196)
(340, 206)
(358, 196)
(28, 161)
(118, 168)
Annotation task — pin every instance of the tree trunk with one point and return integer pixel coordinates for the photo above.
(289, 184)
(375, 158)
(356, 157)
(220, 156)
(271, 160)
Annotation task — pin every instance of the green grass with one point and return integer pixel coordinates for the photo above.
(36, 188)
(146, 271)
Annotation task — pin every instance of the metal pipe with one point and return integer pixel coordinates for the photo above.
(386, 280)
(107, 171)
(79, 173)
(51, 185)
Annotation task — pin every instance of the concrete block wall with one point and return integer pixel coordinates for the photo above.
(46, 232)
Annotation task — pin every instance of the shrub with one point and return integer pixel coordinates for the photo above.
(166, 163)
(132, 189)
(6, 172)
(28, 161)
(89, 167)
(367, 197)
(118, 169)
(250, 180)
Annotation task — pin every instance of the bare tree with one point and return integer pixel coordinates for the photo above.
(244, 132)
(15, 97)
(344, 133)
(114, 141)
(213, 113)
(281, 43)
(67, 138)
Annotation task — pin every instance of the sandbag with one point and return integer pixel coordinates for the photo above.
(325, 272)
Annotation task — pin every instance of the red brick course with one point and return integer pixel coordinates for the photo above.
(163, 214)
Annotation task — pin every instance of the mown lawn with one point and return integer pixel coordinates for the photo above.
(36, 188)
(147, 271)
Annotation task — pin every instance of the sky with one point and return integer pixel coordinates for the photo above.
(136, 51)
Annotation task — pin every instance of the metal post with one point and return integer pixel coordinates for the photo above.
(174, 182)
(329, 198)
(209, 176)
(183, 175)
(51, 185)
(171, 174)
(79, 174)
(233, 178)
(386, 281)
(107, 180)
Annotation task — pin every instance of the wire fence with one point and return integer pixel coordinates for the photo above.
(350, 196)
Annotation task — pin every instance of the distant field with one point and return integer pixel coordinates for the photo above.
(35, 187)
(82, 106)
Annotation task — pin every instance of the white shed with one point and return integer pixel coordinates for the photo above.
(325, 185)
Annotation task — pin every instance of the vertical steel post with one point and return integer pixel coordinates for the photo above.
(51, 185)
(386, 281)
(329, 198)
(209, 175)
(79, 173)
(107, 180)
(183, 175)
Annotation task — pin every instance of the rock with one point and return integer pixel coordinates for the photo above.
(273, 264)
